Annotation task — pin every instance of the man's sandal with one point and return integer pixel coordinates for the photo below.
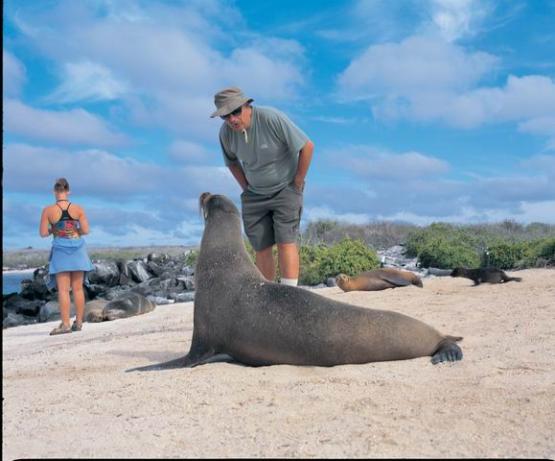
(76, 326)
(60, 329)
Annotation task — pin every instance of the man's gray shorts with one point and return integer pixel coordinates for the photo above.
(270, 219)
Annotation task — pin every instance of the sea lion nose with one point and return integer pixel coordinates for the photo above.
(203, 199)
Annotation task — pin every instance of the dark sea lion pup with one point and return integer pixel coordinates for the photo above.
(484, 275)
(256, 322)
(378, 279)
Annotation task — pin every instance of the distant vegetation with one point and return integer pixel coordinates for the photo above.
(331, 247)
(506, 245)
(29, 257)
(380, 235)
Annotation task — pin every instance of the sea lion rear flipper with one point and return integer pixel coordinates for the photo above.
(447, 350)
(398, 281)
(513, 279)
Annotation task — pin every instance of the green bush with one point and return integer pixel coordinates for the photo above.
(421, 238)
(348, 256)
(546, 250)
(443, 254)
(311, 264)
(190, 258)
(507, 255)
(540, 253)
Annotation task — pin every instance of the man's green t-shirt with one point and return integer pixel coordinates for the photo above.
(268, 151)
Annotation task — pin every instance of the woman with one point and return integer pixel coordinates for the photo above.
(68, 261)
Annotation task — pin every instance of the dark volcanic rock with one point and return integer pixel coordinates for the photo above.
(138, 270)
(157, 258)
(14, 320)
(124, 275)
(161, 278)
(34, 289)
(104, 273)
(19, 305)
(154, 268)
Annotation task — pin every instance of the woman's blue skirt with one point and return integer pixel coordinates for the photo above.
(67, 255)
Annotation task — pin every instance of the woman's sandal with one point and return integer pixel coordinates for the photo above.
(60, 329)
(76, 326)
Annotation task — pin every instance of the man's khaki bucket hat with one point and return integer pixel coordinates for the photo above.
(228, 100)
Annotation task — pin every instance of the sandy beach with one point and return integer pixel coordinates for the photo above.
(71, 396)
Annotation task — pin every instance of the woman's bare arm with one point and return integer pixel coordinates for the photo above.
(44, 227)
(83, 222)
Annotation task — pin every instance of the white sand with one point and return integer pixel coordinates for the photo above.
(70, 395)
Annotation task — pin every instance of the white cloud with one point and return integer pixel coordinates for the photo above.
(127, 201)
(338, 120)
(542, 126)
(425, 79)
(541, 164)
(75, 126)
(417, 64)
(13, 74)
(187, 152)
(369, 162)
(385, 20)
(458, 18)
(87, 80)
(539, 125)
(263, 73)
(101, 174)
(162, 60)
(326, 213)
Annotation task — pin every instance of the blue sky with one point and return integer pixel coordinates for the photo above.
(420, 110)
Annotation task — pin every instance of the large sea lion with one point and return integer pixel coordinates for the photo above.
(378, 279)
(484, 275)
(256, 322)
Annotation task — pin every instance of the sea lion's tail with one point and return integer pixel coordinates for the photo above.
(514, 279)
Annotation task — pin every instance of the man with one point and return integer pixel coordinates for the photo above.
(269, 157)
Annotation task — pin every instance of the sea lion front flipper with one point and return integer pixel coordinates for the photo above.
(394, 280)
(447, 350)
(175, 363)
(198, 355)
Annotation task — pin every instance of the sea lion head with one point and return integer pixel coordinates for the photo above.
(211, 204)
(417, 281)
(342, 280)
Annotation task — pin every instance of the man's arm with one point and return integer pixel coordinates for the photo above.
(305, 157)
(239, 175)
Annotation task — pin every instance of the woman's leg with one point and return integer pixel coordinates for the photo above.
(63, 282)
(78, 295)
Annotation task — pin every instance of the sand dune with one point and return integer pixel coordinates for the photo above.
(70, 395)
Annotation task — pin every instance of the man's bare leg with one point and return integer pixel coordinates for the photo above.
(265, 263)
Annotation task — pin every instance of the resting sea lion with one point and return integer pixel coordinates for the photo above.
(378, 279)
(239, 313)
(127, 305)
(484, 275)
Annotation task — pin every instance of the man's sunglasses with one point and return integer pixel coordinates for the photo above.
(235, 113)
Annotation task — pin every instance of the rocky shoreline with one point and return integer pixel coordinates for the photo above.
(157, 279)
